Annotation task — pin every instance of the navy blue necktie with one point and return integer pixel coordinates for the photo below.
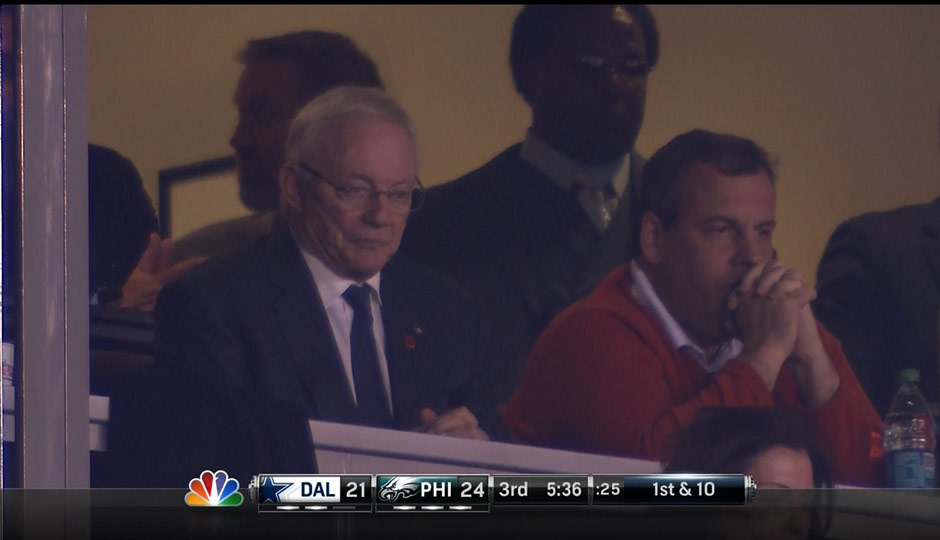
(367, 378)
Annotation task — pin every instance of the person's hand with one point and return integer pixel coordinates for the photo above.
(814, 371)
(808, 344)
(153, 270)
(459, 422)
(767, 306)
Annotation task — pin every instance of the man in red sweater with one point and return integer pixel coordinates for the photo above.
(704, 316)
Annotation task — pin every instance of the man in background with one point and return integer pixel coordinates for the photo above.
(535, 228)
(879, 292)
(281, 74)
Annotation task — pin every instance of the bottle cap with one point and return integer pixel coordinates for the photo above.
(909, 376)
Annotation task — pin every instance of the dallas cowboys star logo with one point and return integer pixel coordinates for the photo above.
(270, 491)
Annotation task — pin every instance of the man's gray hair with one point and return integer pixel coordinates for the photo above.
(316, 117)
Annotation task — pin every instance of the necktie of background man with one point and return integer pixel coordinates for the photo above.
(598, 199)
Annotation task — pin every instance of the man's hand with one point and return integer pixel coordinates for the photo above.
(459, 422)
(153, 270)
(816, 376)
(767, 305)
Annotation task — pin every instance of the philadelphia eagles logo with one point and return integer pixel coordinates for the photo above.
(399, 487)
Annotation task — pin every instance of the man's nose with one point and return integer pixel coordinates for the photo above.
(752, 250)
(378, 210)
(240, 138)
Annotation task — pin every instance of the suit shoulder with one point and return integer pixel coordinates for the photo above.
(902, 216)
(224, 236)
(888, 229)
(426, 282)
(236, 267)
(220, 291)
(483, 180)
(465, 208)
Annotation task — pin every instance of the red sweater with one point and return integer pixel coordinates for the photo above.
(604, 378)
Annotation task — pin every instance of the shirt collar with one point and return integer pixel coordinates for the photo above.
(644, 292)
(332, 286)
(562, 170)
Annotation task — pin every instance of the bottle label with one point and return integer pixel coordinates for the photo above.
(910, 469)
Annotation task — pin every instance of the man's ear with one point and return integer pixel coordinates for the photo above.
(290, 190)
(651, 238)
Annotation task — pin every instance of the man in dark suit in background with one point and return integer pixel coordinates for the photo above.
(535, 228)
(879, 293)
(319, 318)
(281, 74)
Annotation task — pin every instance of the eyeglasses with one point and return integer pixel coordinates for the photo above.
(627, 67)
(358, 195)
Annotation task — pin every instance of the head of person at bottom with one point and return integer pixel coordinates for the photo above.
(773, 446)
(349, 180)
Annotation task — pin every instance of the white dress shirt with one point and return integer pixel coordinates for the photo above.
(644, 292)
(331, 287)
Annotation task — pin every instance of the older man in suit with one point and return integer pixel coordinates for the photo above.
(320, 317)
(535, 228)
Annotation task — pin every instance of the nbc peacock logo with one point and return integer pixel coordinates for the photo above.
(213, 489)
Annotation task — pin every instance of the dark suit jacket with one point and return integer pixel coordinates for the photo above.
(523, 245)
(879, 293)
(250, 328)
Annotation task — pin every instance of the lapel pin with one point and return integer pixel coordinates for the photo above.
(411, 339)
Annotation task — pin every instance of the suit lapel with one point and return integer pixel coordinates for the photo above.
(403, 349)
(306, 329)
(930, 240)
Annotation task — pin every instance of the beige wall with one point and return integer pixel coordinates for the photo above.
(846, 96)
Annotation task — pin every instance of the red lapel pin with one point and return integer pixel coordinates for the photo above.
(410, 339)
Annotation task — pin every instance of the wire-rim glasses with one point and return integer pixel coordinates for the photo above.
(361, 195)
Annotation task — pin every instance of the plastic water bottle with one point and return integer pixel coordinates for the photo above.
(909, 436)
